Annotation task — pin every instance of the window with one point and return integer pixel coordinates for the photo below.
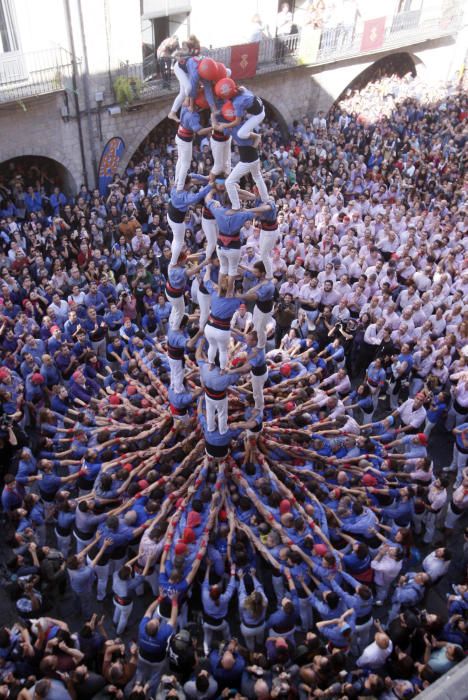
(8, 36)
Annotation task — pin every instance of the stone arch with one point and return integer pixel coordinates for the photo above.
(399, 62)
(56, 159)
(273, 112)
(142, 132)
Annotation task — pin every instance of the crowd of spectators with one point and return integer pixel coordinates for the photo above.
(308, 563)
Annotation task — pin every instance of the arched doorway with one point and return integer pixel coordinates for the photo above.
(37, 171)
(160, 138)
(394, 64)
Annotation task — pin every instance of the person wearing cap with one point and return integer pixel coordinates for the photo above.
(338, 631)
(215, 605)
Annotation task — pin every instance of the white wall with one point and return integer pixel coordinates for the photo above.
(112, 27)
(218, 23)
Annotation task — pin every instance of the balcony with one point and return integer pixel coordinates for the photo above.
(315, 47)
(24, 75)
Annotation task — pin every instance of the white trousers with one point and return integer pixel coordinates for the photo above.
(218, 341)
(258, 382)
(240, 170)
(177, 375)
(451, 517)
(210, 229)
(102, 573)
(217, 408)
(210, 630)
(251, 124)
(177, 311)
(204, 302)
(260, 323)
(228, 260)
(267, 243)
(178, 233)
(184, 158)
(121, 616)
(221, 152)
(253, 636)
(184, 88)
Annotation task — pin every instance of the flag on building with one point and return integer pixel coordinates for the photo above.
(373, 34)
(244, 58)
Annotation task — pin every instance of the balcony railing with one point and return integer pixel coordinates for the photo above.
(24, 75)
(321, 46)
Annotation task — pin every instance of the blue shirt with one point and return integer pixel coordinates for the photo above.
(213, 378)
(190, 120)
(183, 200)
(229, 224)
(153, 648)
(242, 101)
(222, 307)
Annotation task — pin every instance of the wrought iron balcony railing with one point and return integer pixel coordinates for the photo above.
(24, 75)
(319, 46)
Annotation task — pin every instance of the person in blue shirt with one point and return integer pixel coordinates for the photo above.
(229, 223)
(227, 667)
(408, 592)
(216, 384)
(181, 200)
(32, 201)
(178, 275)
(189, 126)
(263, 293)
(95, 298)
(217, 444)
(153, 637)
(436, 412)
(177, 341)
(268, 237)
(57, 201)
(218, 327)
(215, 606)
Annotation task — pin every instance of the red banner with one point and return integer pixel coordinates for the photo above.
(373, 34)
(244, 58)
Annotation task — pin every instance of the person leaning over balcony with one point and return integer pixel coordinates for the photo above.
(164, 55)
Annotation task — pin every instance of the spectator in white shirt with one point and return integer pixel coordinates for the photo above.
(375, 655)
(437, 563)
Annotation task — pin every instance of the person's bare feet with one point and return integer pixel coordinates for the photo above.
(173, 116)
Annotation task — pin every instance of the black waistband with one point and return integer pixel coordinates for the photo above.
(217, 451)
(206, 214)
(213, 621)
(175, 353)
(175, 215)
(259, 370)
(219, 136)
(222, 324)
(363, 619)
(173, 292)
(265, 306)
(269, 225)
(215, 394)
